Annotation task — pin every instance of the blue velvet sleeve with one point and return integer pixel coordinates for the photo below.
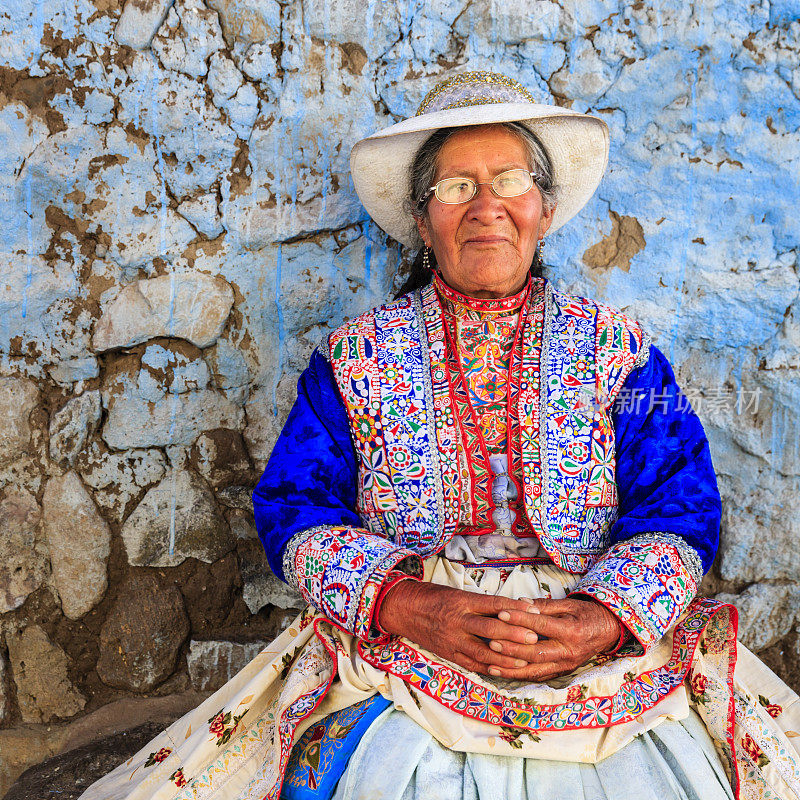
(665, 478)
(310, 478)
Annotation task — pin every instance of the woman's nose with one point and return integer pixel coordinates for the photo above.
(485, 204)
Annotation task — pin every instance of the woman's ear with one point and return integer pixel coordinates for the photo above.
(546, 220)
(422, 227)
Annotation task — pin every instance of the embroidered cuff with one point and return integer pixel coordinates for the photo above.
(340, 571)
(647, 581)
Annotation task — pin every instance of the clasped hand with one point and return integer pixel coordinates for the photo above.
(528, 640)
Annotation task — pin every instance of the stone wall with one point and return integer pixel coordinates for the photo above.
(179, 229)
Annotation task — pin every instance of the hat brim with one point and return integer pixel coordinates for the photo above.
(577, 145)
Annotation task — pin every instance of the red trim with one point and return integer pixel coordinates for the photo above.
(446, 676)
(501, 562)
(275, 791)
(455, 369)
(732, 656)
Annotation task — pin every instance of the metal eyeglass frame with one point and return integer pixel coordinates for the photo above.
(432, 190)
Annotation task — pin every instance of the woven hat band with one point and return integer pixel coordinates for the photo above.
(474, 89)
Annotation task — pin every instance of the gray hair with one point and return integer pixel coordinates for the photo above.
(423, 168)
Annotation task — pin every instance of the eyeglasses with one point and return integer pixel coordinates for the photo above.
(451, 191)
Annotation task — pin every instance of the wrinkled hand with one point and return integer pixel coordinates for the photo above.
(528, 640)
(570, 633)
(454, 624)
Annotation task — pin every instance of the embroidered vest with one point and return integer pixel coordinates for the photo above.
(414, 482)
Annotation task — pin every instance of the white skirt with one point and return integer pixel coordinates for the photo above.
(398, 760)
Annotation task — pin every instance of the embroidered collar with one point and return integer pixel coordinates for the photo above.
(466, 307)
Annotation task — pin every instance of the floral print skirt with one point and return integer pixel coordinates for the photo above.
(236, 745)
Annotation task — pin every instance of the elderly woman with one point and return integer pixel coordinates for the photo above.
(498, 505)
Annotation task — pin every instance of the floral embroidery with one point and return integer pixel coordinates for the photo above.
(576, 693)
(316, 759)
(223, 725)
(158, 756)
(365, 427)
(753, 750)
(698, 685)
(514, 736)
(773, 709)
(177, 778)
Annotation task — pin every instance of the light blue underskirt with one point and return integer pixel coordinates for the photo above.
(398, 760)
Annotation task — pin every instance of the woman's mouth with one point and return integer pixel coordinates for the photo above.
(486, 239)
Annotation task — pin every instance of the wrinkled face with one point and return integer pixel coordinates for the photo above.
(484, 247)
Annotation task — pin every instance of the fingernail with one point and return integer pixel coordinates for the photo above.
(494, 671)
(531, 637)
(504, 615)
(496, 646)
(521, 663)
(532, 610)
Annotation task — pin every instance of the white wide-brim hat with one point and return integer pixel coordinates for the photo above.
(577, 145)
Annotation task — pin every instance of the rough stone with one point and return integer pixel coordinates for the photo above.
(260, 586)
(40, 670)
(229, 370)
(65, 373)
(161, 399)
(180, 510)
(242, 524)
(187, 305)
(23, 554)
(250, 22)
(118, 478)
(18, 397)
(242, 110)
(74, 755)
(142, 634)
(767, 613)
(221, 458)
(202, 213)
(167, 370)
(67, 775)
(79, 542)
(239, 497)
(72, 425)
(212, 664)
(619, 247)
(259, 62)
(195, 143)
(3, 692)
(123, 202)
(188, 36)
(266, 413)
(224, 78)
(139, 21)
(21, 747)
(176, 419)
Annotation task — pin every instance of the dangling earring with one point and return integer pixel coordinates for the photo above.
(426, 259)
(538, 261)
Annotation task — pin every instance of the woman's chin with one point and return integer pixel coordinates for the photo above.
(494, 279)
